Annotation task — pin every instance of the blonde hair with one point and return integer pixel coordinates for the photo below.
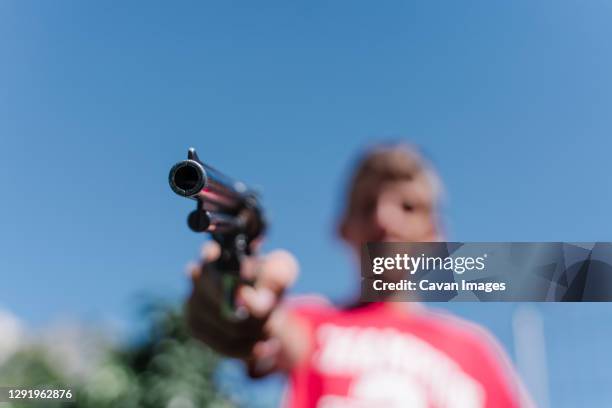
(392, 162)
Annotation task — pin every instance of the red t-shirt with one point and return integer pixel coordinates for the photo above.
(379, 355)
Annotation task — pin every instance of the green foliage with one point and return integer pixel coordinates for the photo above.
(29, 368)
(167, 368)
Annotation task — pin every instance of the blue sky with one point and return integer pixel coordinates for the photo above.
(511, 101)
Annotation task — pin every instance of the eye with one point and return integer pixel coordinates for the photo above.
(407, 207)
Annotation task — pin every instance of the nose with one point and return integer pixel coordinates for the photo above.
(386, 219)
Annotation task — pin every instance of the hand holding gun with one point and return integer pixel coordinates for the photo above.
(235, 294)
(227, 210)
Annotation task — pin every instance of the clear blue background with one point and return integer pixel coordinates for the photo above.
(511, 100)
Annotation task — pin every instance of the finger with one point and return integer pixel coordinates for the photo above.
(194, 271)
(258, 301)
(266, 348)
(277, 271)
(273, 273)
(265, 357)
(210, 251)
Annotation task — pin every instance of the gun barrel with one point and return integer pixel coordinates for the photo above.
(225, 206)
(193, 179)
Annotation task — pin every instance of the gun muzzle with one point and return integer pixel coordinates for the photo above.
(193, 179)
(224, 205)
(188, 178)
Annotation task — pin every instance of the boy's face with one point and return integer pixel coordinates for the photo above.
(393, 211)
